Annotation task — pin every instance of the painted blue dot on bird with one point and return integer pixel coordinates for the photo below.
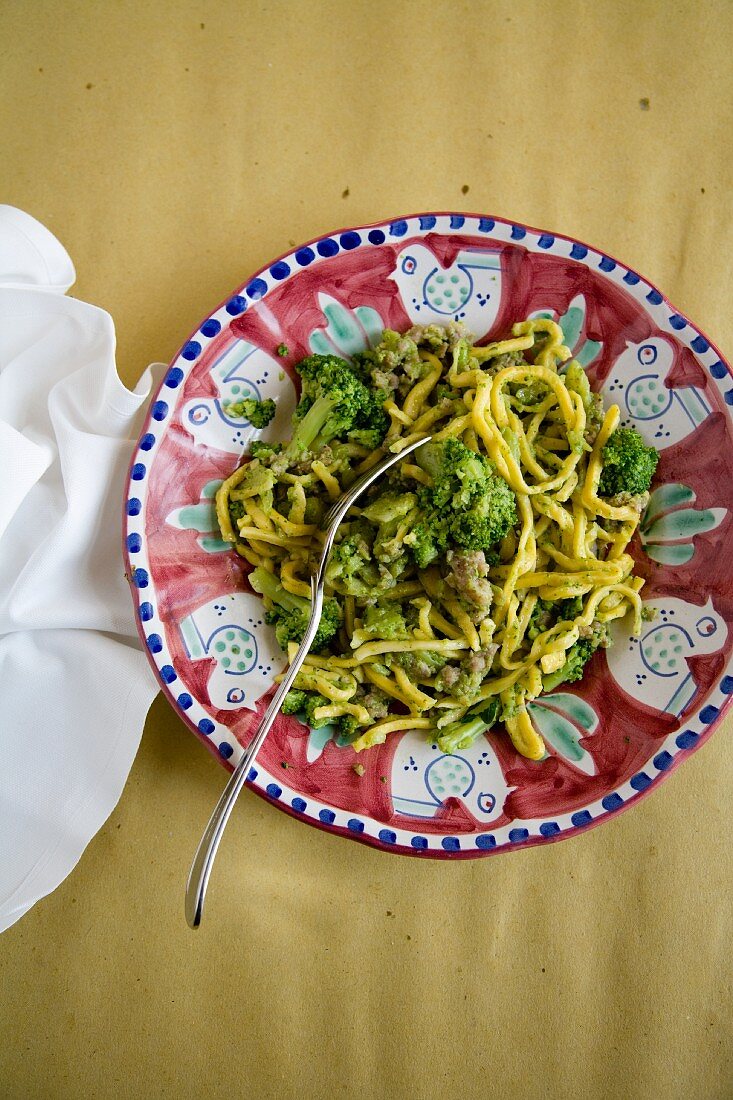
(662, 761)
(146, 612)
(349, 240)
(225, 750)
(718, 370)
(168, 674)
(398, 228)
(299, 805)
(280, 270)
(709, 714)
(147, 442)
(134, 506)
(700, 344)
(184, 701)
(549, 828)
(174, 378)
(273, 790)
(134, 543)
(326, 816)
(140, 578)
(427, 222)
(484, 841)
(138, 471)
(159, 410)
(256, 289)
(355, 825)
(578, 252)
(191, 350)
(640, 781)
(207, 726)
(450, 844)
(545, 241)
(516, 836)
(154, 643)
(654, 297)
(612, 802)
(518, 232)
(631, 278)
(607, 264)
(687, 739)
(327, 247)
(305, 256)
(375, 236)
(212, 327)
(387, 836)
(236, 305)
(457, 221)
(419, 843)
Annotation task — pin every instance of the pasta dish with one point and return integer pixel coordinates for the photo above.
(481, 571)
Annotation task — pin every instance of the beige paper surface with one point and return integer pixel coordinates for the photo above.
(174, 148)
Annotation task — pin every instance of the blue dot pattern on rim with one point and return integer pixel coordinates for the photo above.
(168, 674)
(486, 225)
(578, 252)
(631, 278)
(581, 818)
(546, 241)
(485, 841)
(398, 229)
(134, 506)
(427, 222)
(419, 843)
(387, 836)
(729, 397)
(654, 297)
(225, 750)
(159, 410)
(612, 802)
(451, 844)
(709, 714)
(457, 221)
(700, 345)
(607, 264)
(516, 836)
(280, 270)
(138, 471)
(677, 322)
(252, 775)
(375, 236)
(192, 350)
(349, 240)
(134, 543)
(140, 578)
(687, 739)
(146, 612)
(299, 805)
(273, 790)
(662, 761)
(327, 247)
(236, 305)
(212, 327)
(147, 442)
(718, 370)
(549, 828)
(355, 825)
(173, 378)
(640, 781)
(518, 232)
(184, 701)
(305, 256)
(726, 685)
(256, 289)
(326, 816)
(207, 726)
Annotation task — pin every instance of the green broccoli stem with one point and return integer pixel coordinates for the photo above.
(459, 735)
(309, 428)
(267, 584)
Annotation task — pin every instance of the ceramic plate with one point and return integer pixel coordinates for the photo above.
(643, 706)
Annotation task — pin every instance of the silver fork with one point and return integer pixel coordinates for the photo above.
(198, 877)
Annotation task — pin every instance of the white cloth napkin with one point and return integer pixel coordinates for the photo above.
(74, 684)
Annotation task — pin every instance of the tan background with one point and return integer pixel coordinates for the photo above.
(174, 148)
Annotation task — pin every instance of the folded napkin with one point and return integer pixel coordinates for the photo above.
(74, 684)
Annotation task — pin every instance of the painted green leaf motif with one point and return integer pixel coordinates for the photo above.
(575, 708)
(669, 496)
(684, 524)
(194, 517)
(371, 322)
(212, 545)
(562, 736)
(571, 323)
(319, 345)
(343, 329)
(588, 352)
(670, 555)
(210, 489)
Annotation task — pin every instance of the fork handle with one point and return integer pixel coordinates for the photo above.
(198, 876)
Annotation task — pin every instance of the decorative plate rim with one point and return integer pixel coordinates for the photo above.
(676, 747)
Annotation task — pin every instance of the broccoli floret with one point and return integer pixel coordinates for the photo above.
(347, 728)
(312, 702)
(334, 403)
(385, 621)
(419, 664)
(577, 658)
(294, 702)
(264, 451)
(350, 567)
(282, 350)
(541, 618)
(628, 464)
(290, 614)
(259, 413)
(460, 735)
(468, 503)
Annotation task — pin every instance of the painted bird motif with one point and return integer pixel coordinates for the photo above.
(468, 291)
